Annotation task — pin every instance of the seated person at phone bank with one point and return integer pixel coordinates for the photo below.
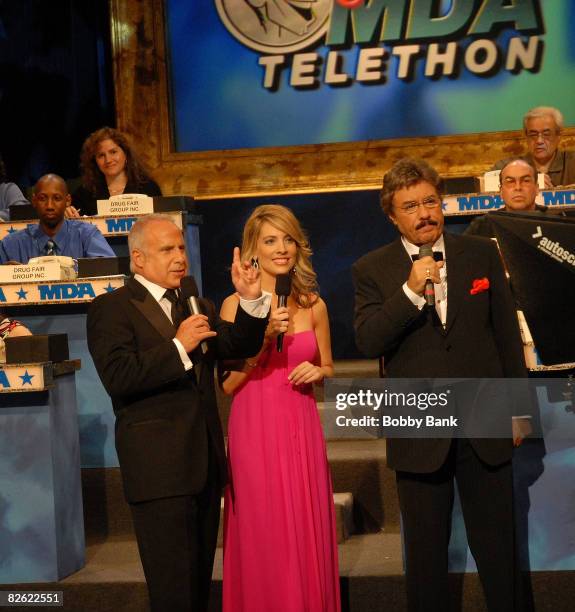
(53, 235)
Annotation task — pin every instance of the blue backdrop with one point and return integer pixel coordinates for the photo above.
(219, 100)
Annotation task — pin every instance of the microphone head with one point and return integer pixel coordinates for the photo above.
(425, 250)
(188, 287)
(283, 284)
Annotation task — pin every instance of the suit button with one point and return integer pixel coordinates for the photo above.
(448, 347)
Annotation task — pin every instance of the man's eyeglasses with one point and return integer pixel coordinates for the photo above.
(545, 134)
(409, 208)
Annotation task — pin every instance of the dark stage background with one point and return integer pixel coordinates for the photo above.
(56, 83)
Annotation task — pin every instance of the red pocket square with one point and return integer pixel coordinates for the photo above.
(479, 285)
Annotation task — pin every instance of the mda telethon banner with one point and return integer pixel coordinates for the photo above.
(265, 73)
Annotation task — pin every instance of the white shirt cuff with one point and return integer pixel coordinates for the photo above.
(525, 416)
(259, 307)
(187, 362)
(416, 300)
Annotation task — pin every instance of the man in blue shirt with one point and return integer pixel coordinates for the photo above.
(53, 235)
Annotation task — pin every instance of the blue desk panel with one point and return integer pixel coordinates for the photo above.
(41, 517)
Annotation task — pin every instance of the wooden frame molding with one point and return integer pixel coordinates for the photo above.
(143, 112)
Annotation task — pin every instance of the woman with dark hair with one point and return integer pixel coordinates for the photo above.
(280, 549)
(109, 167)
(9, 194)
(12, 328)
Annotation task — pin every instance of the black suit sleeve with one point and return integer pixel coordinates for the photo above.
(381, 322)
(242, 338)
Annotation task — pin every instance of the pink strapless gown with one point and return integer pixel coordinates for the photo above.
(280, 549)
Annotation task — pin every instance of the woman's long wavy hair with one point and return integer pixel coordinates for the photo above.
(304, 287)
(92, 177)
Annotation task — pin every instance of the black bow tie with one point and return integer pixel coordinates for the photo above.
(437, 255)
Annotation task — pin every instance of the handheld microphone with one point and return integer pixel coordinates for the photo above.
(283, 289)
(190, 293)
(425, 250)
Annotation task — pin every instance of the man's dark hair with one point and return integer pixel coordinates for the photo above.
(518, 159)
(407, 172)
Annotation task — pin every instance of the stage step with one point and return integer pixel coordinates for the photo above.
(107, 515)
(356, 368)
(371, 579)
(359, 467)
(333, 431)
(358, 474)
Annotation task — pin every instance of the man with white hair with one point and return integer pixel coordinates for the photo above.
(542, 127)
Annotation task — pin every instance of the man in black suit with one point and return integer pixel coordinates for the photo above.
(147, 351)
(471, 332)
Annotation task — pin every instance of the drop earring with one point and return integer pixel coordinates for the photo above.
(255, 263)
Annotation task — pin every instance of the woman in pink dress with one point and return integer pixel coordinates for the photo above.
(280, 549)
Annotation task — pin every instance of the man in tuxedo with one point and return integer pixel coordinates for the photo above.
(471, 331)
(147, 351)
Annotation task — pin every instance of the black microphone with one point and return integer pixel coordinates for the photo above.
(190, 293)
(425, 250)
(283, 289)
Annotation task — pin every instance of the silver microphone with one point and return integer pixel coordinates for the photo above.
(190, 293)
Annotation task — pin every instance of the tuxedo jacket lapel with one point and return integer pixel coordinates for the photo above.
(142, 299)
(401, 264)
